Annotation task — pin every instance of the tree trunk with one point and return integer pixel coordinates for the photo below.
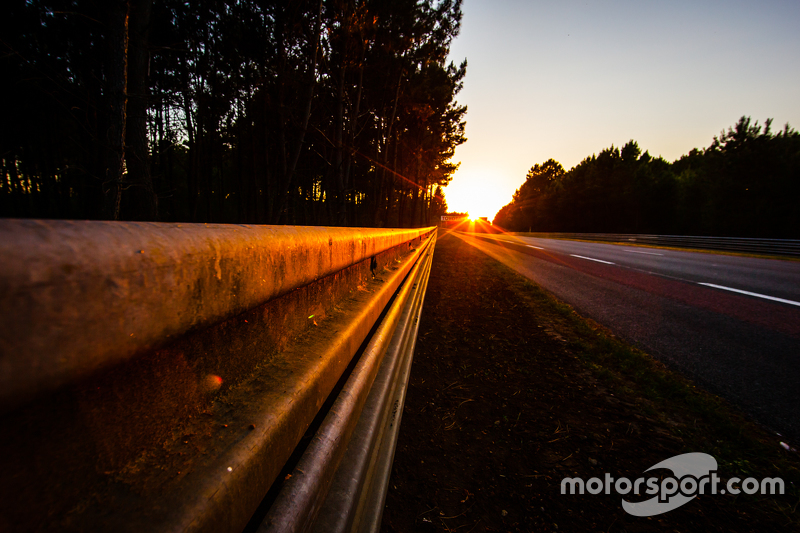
(386, 145)
(143, 202)
(117, 86)
(309, 98)
(338, 158)
(191, 177)
(353, 125)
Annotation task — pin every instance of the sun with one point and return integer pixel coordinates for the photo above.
(477, 194)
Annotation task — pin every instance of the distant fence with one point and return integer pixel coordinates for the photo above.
(784, 247)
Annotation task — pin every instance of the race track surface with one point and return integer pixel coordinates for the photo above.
(730, 323)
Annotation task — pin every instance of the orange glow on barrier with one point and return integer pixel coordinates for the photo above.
(212, 383)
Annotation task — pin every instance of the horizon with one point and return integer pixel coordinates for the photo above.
(670, 95)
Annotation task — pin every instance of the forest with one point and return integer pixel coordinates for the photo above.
(335, 112)
(746, 183)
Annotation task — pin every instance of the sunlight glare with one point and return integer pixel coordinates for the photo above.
(477, 193)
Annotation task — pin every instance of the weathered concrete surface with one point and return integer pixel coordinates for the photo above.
(78, 296)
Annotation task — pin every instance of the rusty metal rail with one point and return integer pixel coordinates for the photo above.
(108, 290)
(161, 375)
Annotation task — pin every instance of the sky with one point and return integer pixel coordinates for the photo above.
(565, 79)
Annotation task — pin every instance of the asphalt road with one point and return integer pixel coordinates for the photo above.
(730, 323)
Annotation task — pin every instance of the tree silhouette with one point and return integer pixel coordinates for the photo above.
(746, 184)
(309, 112)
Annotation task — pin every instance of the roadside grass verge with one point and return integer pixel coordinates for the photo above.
(701, 420)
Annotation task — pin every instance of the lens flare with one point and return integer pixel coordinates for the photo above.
(212, 383)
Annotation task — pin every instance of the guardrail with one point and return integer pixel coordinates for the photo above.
(784, 247)
(167, 377)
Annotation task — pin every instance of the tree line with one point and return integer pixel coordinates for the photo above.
(745, 184)
(318, 112)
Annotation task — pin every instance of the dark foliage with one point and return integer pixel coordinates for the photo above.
(339, 112)
(745, 184)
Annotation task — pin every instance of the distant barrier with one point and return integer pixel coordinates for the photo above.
(785, 247)
(160, 377)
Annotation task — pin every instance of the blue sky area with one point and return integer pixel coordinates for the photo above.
(566, 79)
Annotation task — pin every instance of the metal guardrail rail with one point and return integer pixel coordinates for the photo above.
(359, 433)
(781, 247)
(82, 279)
(107, 336)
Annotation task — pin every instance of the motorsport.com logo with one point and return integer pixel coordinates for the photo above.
(693, 474)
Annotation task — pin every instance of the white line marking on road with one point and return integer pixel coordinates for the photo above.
(532, 246)
(592, 259)
(637, 252)
(790, 302)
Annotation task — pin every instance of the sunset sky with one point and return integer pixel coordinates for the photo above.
(566, 79)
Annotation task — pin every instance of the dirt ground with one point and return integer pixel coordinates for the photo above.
(500, 409)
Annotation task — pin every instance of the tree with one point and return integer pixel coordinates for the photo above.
(745, 184)
(309, 112)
